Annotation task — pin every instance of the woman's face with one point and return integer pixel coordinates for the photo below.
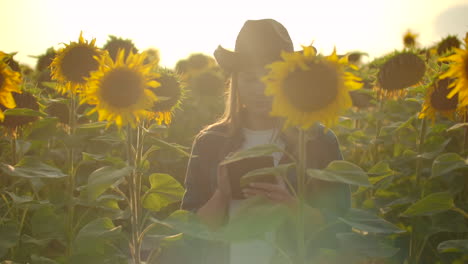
(252, 92)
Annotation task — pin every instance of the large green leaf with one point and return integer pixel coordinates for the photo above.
(103, 178)
(31, 167)
(368, 222)
(182, 150)
(341, 171)
(43, 128)
(454, 246)
(431, 204)
(257, 151)
(189, 224)
(164, 190)
(95, 239)
(366, 245)
(253, 218)
(23, 112)
(447, 163)
(9, 236)
(280, 170)
(47, 223)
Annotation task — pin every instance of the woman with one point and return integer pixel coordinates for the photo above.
(247, 123)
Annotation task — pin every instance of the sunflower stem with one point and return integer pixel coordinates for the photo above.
(422, 137)
(301, 170)
(71, 184)
(377, 131)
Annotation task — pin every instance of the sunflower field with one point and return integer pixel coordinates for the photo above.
(94, 144)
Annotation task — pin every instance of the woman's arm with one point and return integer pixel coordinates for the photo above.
(214, 212)
(211, 207)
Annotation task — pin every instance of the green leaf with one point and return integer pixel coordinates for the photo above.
(280, 170)
(94, 236)
(366, 245)
(172, 146)
(23, 112)
(253, 218)
(9, 236)
(431, 204)
(257, 151)
(164, 190)
(43, 128)
(42, 260)
(46, 223)
(20, 199)
(103, 178)
(31, 167)
(457, 126)
(368, 222)
(447, 163)
(341, 171)
(94, 125)
(454, 246)
(189, 224)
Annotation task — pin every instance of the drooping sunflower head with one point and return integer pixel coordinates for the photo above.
(73, 64)
(115, 44)
(436, 100)
(458, 70)
(409, 39)
(120, 90)
(10, 81)
(399, 71)
(44, 60)
(169, 94)
(447, 44)
(307, 88)
(22, 100)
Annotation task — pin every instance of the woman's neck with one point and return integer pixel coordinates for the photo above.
(255, 122)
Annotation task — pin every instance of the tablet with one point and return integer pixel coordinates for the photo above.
(236, 170)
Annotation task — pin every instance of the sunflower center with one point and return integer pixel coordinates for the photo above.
(122, 87)
(409, 41)
(439, 98)
(78, 63)
(313, 89)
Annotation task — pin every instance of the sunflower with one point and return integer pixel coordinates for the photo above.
(74, 63)
(447, 44)
(115, 44)
(120, 89)
(22, 100)
(169, 95)
(308, 88)
(409, 39)
(400, 70)
(10, 81)
(436, 100)
(458, 70)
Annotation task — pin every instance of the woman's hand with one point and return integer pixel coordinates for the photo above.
(274, 192)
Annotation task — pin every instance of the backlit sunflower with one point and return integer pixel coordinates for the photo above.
(10, 81)
(458, 70)
(308, 88)
(400, 70)
(169, 95)
(74, 63)
(120, 89)
(436, 101)
(409, 39)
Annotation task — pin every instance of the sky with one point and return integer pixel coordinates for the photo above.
(179, 28)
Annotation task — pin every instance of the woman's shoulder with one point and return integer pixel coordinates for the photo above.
(212, 135)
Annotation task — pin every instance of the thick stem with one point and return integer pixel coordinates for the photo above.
(132, 195)
(377, 131)
(465, 133)
(71, 172)
(301, 171)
